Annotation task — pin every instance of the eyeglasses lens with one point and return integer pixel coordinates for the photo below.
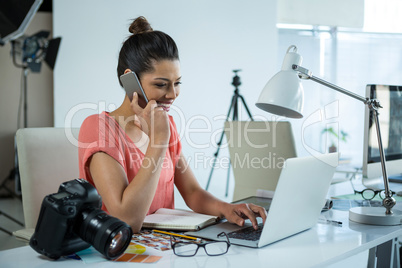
(185, 249)
(368, 194)
(216, 248)
(383, 195)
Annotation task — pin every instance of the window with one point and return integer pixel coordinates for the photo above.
(350, 59)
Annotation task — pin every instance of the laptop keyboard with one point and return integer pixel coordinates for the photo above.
(248, 233)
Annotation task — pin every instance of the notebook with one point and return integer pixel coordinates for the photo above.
(258, 150)
(305, 179)
(177, 219)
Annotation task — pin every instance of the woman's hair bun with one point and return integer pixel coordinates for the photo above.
(140, 25)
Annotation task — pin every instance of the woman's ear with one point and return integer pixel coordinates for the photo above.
(127, 71)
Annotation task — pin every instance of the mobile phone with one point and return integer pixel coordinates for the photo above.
(132, 84)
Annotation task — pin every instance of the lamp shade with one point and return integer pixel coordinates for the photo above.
(283, 94)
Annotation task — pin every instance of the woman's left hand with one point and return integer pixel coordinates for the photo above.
(237, 213)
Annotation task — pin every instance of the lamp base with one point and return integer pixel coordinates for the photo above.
(375, 216)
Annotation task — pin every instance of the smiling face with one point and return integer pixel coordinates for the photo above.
(162, 84)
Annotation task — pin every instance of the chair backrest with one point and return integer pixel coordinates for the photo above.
(46, 158)
(258, 150)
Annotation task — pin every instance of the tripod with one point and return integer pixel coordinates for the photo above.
(14, 172)
(13, 175)
(233, 108)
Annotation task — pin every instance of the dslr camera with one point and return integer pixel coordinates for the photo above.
(72, 220)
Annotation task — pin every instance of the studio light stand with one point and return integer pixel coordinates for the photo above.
(33, 50)
(234, 114)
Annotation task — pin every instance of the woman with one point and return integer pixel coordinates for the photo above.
(133, 154)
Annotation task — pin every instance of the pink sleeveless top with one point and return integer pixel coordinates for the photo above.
(102, 133)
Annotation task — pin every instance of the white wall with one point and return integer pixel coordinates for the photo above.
(214, 37)
(341, 13)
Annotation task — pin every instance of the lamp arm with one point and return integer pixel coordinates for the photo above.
(306, 74)
(388, 201)
(373, 105)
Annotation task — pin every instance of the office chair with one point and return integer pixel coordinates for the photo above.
(257, 151)
(47, 157)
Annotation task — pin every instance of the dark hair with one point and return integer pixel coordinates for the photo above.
(143, 47)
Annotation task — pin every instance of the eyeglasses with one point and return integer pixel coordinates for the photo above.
(369, 194)
(189, 249)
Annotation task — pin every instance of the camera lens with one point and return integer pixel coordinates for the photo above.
(107, 234)
(118, 242)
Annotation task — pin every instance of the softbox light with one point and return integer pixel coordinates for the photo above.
(15, 16)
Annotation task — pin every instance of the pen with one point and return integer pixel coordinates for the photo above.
(179, 235)
(337, 223)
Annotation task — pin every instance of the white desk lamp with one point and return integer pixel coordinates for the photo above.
(283, 95)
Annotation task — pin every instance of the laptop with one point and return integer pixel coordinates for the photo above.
(258, 150)
(298, 200)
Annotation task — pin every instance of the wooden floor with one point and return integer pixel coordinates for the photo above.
(13, 208)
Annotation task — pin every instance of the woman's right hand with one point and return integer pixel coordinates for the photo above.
(154, 121)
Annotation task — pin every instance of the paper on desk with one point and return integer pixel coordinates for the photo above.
(91, 255)
(140, 258)
(133, 253)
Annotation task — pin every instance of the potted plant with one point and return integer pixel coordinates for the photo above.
(334, 136)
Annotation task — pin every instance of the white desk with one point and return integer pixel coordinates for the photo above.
(322, 245)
